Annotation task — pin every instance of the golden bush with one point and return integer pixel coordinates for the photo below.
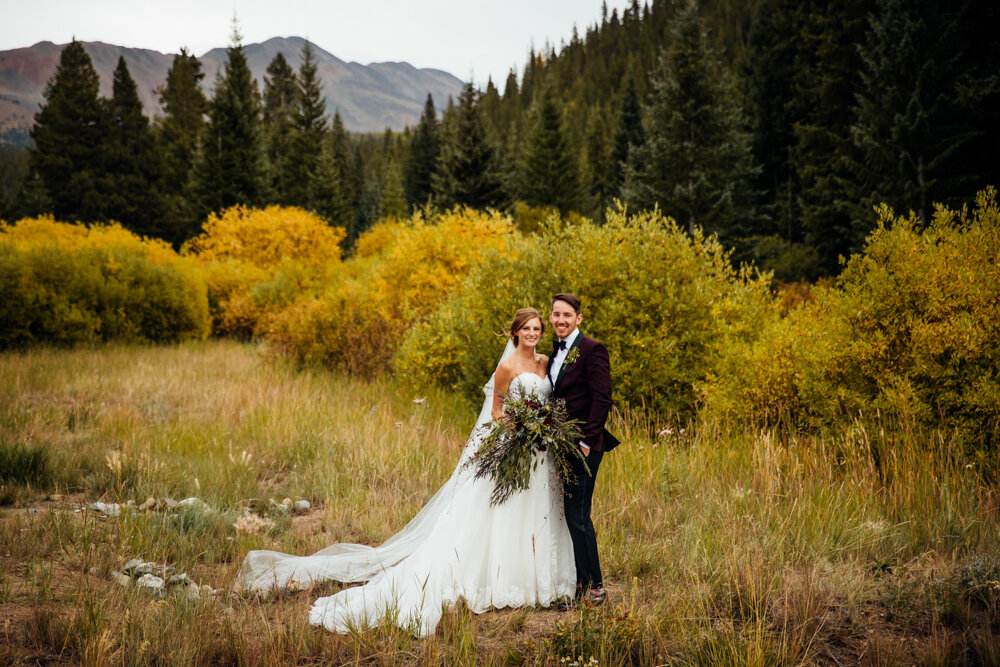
(910, 332)
(663, 302)
(258, 261)
(66, 283)
(268, 237)
(400, 273)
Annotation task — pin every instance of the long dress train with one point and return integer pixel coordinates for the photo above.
(458, 546)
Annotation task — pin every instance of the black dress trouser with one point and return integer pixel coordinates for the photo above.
(577, 499)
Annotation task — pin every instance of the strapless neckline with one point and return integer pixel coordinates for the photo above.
(528, 383)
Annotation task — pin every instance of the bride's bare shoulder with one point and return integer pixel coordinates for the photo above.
(505, 371)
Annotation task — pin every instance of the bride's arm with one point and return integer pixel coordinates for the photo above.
(501, 382)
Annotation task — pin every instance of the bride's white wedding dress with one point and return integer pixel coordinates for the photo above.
(515, 554)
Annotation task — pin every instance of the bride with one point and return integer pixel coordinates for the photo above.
(515, 554)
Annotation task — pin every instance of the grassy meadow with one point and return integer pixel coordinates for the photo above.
(873, 546)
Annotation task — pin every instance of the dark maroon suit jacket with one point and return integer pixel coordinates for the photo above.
(585, 386)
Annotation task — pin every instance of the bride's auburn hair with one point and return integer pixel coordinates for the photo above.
(522, 317)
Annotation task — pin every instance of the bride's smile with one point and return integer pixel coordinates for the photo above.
(531, 333)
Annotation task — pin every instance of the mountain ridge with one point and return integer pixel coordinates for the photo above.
(370, 97)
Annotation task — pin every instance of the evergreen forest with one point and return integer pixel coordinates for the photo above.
(777, 125)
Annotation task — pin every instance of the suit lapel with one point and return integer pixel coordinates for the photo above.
(565, 368)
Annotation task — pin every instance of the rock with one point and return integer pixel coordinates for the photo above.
(93, 570)
(148, 505)
(192, 594)
(181, 579)
(287, 502)
(149, 581)
(193, 503)
(137, 567)
(170, 503)
(276, 507)
(420, 401)
(121, 579)
(55, 497)
(130, 504)
(301, 506)
(113, 509)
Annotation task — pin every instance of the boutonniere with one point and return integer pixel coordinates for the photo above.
(572, 356)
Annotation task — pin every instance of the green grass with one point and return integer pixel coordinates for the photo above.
(720, 546)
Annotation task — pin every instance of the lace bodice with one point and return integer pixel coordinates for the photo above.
(527, 384)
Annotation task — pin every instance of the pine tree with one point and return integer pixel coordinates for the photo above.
(978, 91)
(184, 105)
(311, 132)
(629, 136)
(598, 172)
(770, 72)
(132, 163)
(68, 136)
(279, 116)
(335, 194)
(230, 168)
(467, 172)
(696, 162)
(393, 201)
(906, 131)
(826, 80)
(424, 150)
(32, 200)
(548, 168)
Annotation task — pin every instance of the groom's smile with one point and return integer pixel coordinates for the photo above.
(564, 319)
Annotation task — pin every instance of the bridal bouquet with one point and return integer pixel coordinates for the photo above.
(508, 453)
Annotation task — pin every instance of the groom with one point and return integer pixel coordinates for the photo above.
(581, 375)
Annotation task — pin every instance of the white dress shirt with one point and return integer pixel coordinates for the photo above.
(557, 362)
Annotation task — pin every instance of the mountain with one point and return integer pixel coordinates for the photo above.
(370, 97)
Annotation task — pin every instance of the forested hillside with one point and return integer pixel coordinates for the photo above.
(777, 125)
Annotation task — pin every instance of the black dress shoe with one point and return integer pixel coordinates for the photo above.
(596, 596)
(566, 603)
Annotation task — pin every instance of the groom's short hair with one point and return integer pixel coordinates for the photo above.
(566, 297)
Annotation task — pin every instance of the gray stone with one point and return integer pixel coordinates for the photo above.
(277, 508)
(121, 579)
(111, 509)
(301, 506)
(193, 503)
(148, 505)
(181, 579)
(170, 503)
(136, 567)
(150, 581)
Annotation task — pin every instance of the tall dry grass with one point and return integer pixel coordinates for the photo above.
(720, 546)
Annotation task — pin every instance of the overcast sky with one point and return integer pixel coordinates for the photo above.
(468, 38)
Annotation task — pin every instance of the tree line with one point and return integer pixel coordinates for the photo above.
(777, 125)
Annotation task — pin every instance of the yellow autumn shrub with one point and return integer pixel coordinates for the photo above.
(400, 272)
(910, 332)
(259, 260)
(665, 304)
(67, 283)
